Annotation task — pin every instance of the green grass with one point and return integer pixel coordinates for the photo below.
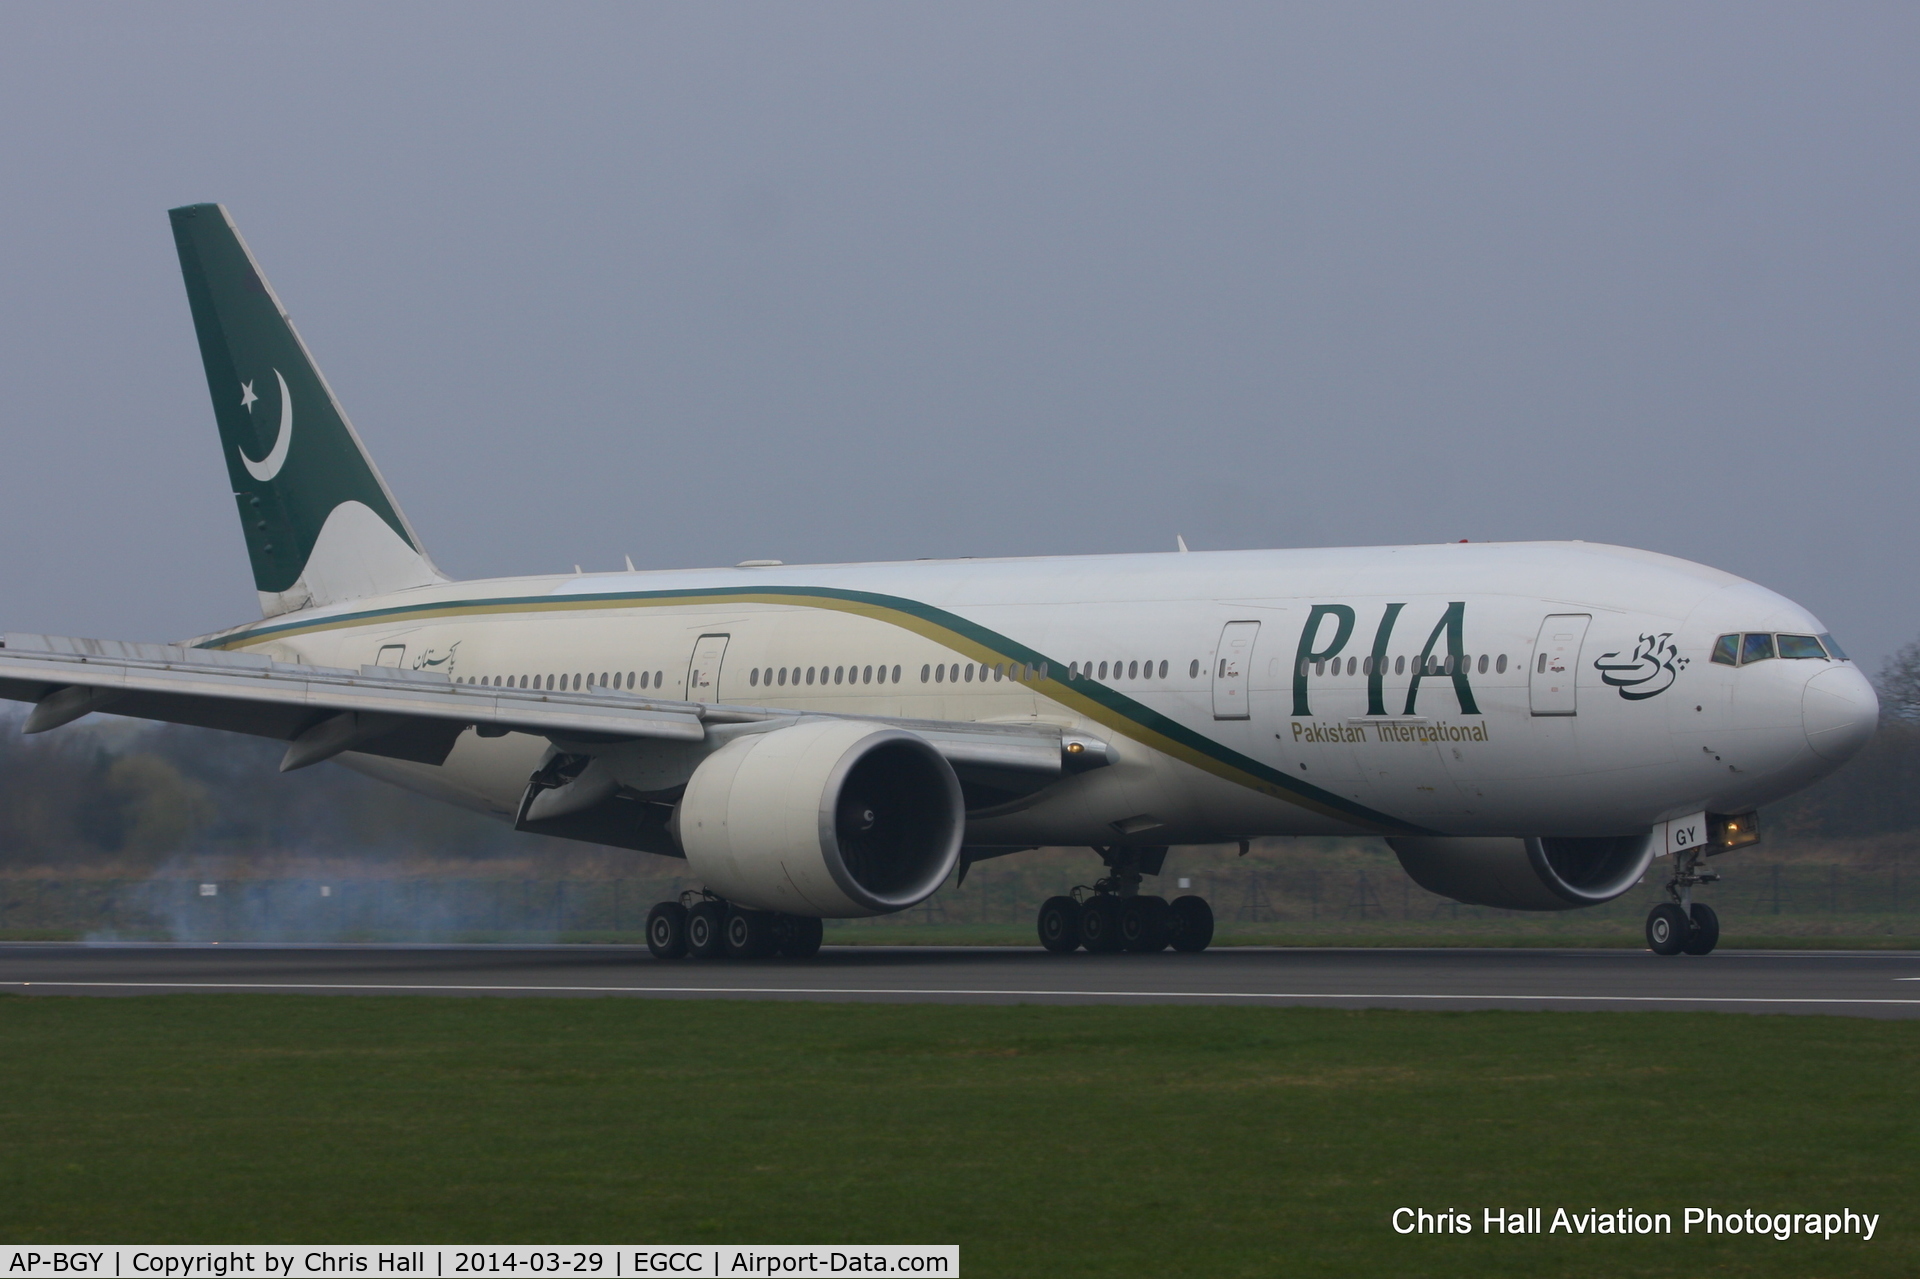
(1044, 1140)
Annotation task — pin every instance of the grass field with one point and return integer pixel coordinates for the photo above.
(1044, 1140)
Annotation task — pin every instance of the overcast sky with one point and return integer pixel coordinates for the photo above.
(703, 283)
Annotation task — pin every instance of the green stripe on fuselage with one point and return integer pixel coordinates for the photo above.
(1096, 701)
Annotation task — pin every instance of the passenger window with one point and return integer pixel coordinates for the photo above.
(657, 677)
(940, 673)
(1726, 650)
(810, 672)
(1483, 663)
(1193, 671)
(1801, 646)
(1540, 667)
(896, 674)
(1133, 670)
(1400, 665)
(1103, 670)
(839, 673)
(866, 675)
(1163, 670)
(1833, 648)
(1500, 665)
(1756, 648)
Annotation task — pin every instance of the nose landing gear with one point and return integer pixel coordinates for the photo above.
(1114, 915)
(1683, 925)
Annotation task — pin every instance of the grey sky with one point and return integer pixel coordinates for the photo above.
(701, 283)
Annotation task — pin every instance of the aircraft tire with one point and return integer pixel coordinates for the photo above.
(1667, 929)
(1705, 933)
(1190, 924)
(798, 936)
(1100, 925)
(749, 933)
(1059, 925)
(1143, 924)
(667, 930)
(707, 930)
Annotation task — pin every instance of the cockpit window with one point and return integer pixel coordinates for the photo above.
(1801, 646)
(1833, 648)
(1726, 650)
(1756, 648)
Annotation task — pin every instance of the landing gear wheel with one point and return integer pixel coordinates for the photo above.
(1190, 924)
(1667, 929)
(706, 930)
(797, 936)
(749, 934)
(1100, 925)
(1060, 925)
(1705, 933)
(1143, 924)
(667, 930)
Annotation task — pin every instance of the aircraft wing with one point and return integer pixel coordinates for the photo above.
(412, 715)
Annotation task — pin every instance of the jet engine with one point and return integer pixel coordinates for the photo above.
(1536, 873)
(830, 818)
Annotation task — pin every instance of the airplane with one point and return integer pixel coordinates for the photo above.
(1529, 725)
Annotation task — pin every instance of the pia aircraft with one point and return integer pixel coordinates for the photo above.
(1529, 725)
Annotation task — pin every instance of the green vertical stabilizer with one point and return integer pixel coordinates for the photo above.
(296, 466)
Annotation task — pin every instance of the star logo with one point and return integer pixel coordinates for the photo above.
(247, 397)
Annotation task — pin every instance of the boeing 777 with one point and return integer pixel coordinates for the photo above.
(1529, 725)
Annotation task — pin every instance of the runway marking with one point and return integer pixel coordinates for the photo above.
(882, 990)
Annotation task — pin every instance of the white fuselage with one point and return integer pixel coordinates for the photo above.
(1602, 721)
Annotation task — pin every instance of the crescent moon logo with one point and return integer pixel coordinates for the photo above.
(266, 470)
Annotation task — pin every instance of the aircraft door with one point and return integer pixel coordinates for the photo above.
(703, 672)
(1232, 664)
(1556, 663)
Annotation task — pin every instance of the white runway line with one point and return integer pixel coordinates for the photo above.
(881, 990)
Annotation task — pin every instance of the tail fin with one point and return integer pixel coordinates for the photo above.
(321, 526)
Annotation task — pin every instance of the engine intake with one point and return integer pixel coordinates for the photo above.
(832, 818)
(1535, 873)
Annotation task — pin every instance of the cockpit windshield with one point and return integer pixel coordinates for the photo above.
(1755, 646)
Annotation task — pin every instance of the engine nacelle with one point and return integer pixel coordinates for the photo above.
(1536, 873)
(833, 818)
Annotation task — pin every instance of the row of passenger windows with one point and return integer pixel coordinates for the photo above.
(1758, 646)
(781, 676)
(968, 672)
(1123, 670)
(574, 682)
(1436, 665)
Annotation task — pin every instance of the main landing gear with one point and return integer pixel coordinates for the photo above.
(1683, 925)
(1113, 915)
(705, 927)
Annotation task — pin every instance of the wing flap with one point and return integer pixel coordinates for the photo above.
(417, 715)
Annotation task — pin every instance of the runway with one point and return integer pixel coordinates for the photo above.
(1852, 983)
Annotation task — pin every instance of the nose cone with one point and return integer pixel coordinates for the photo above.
(1839, 710)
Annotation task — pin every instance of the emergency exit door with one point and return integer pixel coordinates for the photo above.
(703, 672)
(1231, 665)
(1556, 663)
